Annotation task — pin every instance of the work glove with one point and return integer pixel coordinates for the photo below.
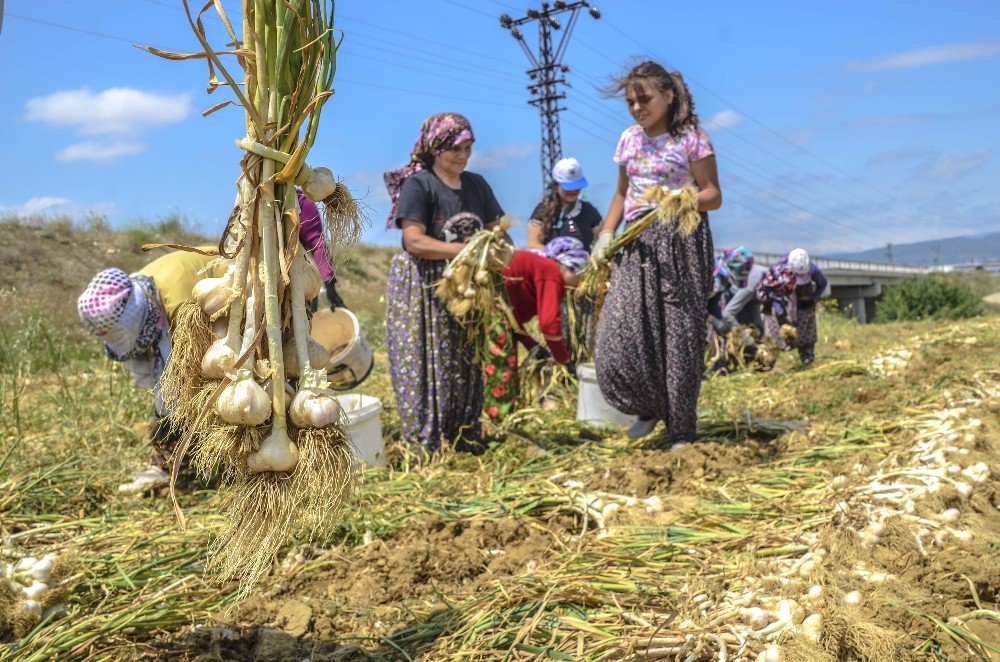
(748, 340)
(600, 251)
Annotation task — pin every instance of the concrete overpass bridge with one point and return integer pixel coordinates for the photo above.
(855, 285)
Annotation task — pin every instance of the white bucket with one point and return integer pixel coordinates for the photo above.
(364, 413)
(591, 407)
(351, 358)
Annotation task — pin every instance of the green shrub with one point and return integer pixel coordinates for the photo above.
(933, 297)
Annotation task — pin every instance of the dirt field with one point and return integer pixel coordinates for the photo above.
(863, 489)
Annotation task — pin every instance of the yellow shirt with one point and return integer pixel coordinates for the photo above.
(175, 274)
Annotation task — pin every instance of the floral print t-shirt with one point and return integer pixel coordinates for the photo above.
(663, 160)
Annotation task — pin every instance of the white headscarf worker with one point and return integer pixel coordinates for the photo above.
(126, 313)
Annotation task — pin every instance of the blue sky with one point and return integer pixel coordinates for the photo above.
(838, 125)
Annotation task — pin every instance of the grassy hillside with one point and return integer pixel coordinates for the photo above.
(560, 542)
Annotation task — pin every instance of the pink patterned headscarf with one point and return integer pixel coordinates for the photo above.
(439, 133)
(125, 312)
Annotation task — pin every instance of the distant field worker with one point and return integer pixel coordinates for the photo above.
(563, 213)
(811, 285)
(437, 379)
(132, 315)
(733, 303)
(651, 333)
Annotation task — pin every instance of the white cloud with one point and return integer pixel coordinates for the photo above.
(58, 206)
(100, 151)
(922, 57)
(114, 111)
(725, 119)
(952, 166)
(496, 157)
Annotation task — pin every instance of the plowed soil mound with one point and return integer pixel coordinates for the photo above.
(678, 470)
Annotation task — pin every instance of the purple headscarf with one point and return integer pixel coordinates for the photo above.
(439, 133)
(567, 251)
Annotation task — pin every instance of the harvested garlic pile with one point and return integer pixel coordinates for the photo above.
(891, 363)
(602, 508)
(29, 596)
(750, 619)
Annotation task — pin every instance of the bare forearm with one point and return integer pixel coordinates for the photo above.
(709, 199)
(430, 248)
(616, 210)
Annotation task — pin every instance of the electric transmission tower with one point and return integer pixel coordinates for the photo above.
(547, 71)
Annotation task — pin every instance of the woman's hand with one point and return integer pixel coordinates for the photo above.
(601, 244)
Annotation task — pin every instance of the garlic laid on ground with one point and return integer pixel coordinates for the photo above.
(36, 589)
(32, 606)
(41, 570)
(277, 453)
(243, 402)
(811, 627)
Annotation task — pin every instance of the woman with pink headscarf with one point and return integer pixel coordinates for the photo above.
(438, 205)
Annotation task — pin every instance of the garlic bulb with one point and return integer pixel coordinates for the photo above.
(812, 628)
(32, 606)
(212, 294)
(319, 183)
(268, 386)
(304, 271)
(277, 453)
(43, 568)
(243, 402)
(36, 589)
(318, 357)
(220, 327)
(314, 408)
(218, 360)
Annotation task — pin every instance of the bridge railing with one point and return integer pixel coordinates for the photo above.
(846, 265)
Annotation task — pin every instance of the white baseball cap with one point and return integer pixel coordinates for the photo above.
(568, 173)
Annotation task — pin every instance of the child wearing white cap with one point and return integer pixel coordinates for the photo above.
(563, 213)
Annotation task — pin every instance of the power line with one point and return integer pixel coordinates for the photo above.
(70, 28)
(408, 53)
(339, 78)
(759, 123)
(472, 9)
(432, 73)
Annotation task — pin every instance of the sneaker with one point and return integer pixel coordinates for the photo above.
(641, 428)
(145, 480)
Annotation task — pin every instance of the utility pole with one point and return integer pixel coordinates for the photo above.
(547, 71)
(888, 252)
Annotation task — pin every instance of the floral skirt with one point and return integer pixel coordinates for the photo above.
(501, 375)
(435, 374)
